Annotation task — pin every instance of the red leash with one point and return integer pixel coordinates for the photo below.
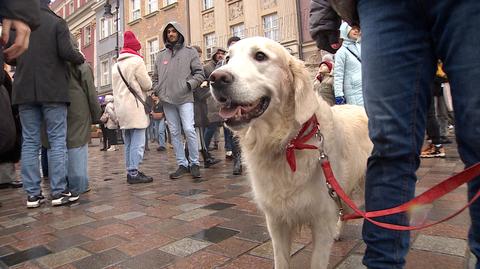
(427, 197)
(439, 190)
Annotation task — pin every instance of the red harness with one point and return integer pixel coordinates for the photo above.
(439, 190)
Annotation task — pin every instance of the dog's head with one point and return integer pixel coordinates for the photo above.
(261, 81)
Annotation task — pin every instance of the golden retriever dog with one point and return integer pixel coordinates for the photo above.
(266, 95)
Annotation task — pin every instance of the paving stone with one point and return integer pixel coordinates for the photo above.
(63, 257)
(255, 233)
(249, 261)
(190, 192)
(352, 262)
(152, 259)
(199, 196)
(144, 193)
(25, 255)
(6, 250)
(76, 221)
(200, 259)
(16, 222)
(214, 234)
(189, 206)
(130, 215)
(103, 244)
(100, 208)
(194, 214)
(33, 241)
(101, 260)
(143, 244)
(472, 261)
(218, 206)
(232, 247)
(265, 250)
(419, 259)
(67, 242)
(184, 247)
(451, 246)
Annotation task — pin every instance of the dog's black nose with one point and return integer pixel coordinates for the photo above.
(220, 79)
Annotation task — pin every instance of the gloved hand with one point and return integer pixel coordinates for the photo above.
(340, 100)
(324, 24)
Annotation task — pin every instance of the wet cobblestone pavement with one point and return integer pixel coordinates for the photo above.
(181, 224)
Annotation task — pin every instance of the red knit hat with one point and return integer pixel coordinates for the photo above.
(130, 41)
(329, 64)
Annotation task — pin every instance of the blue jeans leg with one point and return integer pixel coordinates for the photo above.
(209, 132)
(134, 147)
(174, 124)
(55, 118)
(78, 169)
(228, 135)
(398, 66)
(161, 132)
(188, 123)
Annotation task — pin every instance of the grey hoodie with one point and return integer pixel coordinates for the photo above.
(177, 70)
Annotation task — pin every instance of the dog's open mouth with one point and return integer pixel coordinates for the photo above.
(235, 113)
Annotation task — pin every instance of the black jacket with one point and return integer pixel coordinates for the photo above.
(28, 12)
(42, 74)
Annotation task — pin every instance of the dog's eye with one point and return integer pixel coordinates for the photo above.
(260, 56)
(227, 59)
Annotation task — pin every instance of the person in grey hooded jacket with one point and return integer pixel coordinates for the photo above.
(177, 71)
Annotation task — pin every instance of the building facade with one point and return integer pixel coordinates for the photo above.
(146, 18)
(109, 31)
(81, 22)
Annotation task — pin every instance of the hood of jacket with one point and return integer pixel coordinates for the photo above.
(344, 30)
(108, 99)
(178, 27)
(215, 50)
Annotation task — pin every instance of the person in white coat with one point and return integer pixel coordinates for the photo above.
(130, 111)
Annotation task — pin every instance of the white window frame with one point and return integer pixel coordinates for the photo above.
(207, 4)
(270, 26)
(78, 3)
(104, 27)
(238, 30)
(210, 41)
(104, 73)
(135, 10)
(152, 52)
(151, 6)
(112, 22)
(87, 35)
(168, 2)
(71, 7)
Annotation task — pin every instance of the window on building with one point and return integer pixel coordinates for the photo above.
(113, 23)
(168, 2)
(210, 42)
(152, 5)
(152, 52)
(87, 35)
(104, 28)
(71, 7)
(135, 9)
(270, 27)
(238, 30)
(207, 4)
(105, 73)
(78, 3)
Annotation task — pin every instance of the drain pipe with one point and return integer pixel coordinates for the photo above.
(188, 22)
(299, 29)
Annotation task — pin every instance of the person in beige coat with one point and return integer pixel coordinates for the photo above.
(129, 110)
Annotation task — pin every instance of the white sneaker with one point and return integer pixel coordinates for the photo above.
(112, 148)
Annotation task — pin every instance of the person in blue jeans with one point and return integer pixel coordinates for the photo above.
(158, 119)
(401, 42)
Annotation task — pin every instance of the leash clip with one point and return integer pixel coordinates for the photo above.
(323, 155)
(336, 198)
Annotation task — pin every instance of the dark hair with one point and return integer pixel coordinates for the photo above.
(199, 50)
(232, 39)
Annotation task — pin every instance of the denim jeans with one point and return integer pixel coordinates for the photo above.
(401, 41)
(179, 116)
(54, 115)
(159, 131)
(77, 175)
(210, 132)
(134, 140)
(228, 135)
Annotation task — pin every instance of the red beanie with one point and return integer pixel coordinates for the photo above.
(130, 41)
(329, 64)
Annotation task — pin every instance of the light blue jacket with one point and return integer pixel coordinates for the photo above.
(348, 69)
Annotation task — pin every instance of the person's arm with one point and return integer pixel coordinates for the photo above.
(89, 88)
(66, 51)
(339, 76)
(198, 75)
(324, 24)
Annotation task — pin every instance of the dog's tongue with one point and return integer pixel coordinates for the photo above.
(228, 113)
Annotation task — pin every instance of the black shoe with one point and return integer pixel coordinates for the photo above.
(104, 149)
(181, 171)
(61, 198)
(35, 201)
(73, 197)
(210, 162)
(138, 178)
(444, 140)
(16, 184)
(195, 171)
(161, 148)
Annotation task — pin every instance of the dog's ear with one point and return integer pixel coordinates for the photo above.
(306, 102)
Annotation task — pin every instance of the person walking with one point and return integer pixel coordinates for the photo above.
(401, 43)
(347, 74)
(40, 90)
(177, 72)
(130, 81)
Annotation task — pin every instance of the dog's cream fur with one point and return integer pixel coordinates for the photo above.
(292, 199)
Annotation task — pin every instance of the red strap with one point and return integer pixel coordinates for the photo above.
(427, 197)
(298, 142)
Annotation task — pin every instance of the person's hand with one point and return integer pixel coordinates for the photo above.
(204, 84)
(329, 40)
(340, 100)
(22, 39)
